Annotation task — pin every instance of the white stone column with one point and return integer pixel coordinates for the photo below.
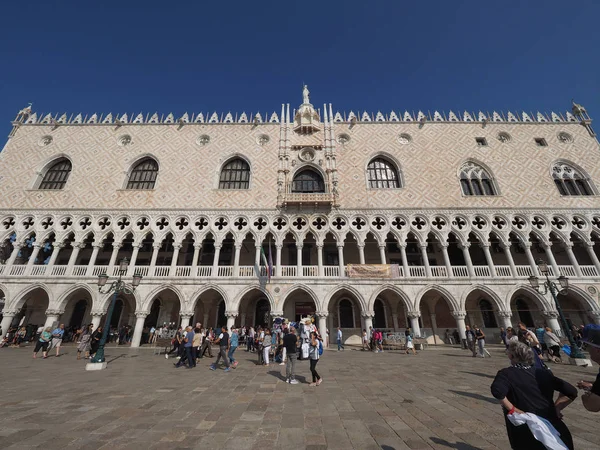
(57, 248)
(16, 249)
(205, 321)
(548, 249)
(509, 257)
(320, 260)
(368, 319)
(322, 315)
(93, 258)
(468, 261)
(7, 317)
(155, 248)
(139, 328)
(414, 322)
(552, 320)
(460, 324)
(573, 259)
(592, 254)
(278, 269)
(215, 266)
(34, 253)
(340, 247)
(530, 260)
(488, 258)
(52, 318)
(444, 247)
(113, 257)
(382, 254)
(299, 259)
(361, 253)
(434, 329)
(257, 255)
(395, 321)
(237, 248)
(96, 318)
(506, 318)
(134, 256)
(425, 259)
(231, 315)
(404, 260)
(185, 319)
(77, 246)
(174, 258)
(197, 248)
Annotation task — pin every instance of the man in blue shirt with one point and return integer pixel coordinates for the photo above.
(187, 340)
(57, 337)
(339, 339)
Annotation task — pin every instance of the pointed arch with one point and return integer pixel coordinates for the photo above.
(571, 180)
(441, 291)
(63, 299)
(21, 296)
(299, 287)
(383, 172)
(208, 287)
(340, 288)
(489, 292)
(531, 293)
(253, 287)
(394, 289)
(143, 173)
(166, 287)
(234, 173)
(476, 179)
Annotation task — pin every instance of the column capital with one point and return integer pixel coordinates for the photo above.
(299, 244)
(10, 312)
(322, 314)
(37, 245)
(97, 313)
(97, 246)
(464, 246)
(526, 244)
(505, 245)
(158, 245)
(367, 314)
(18, 245)
(78, 245)
(218, 246)
(59, 245)
(505, 314)
(414, 314)
(360, 245)
(381, 245)
(444, 245)
(231, 314)
(142, 314)
(546, 245)
(319, 245)
(279, 246)
(55, 312)
(117, 245)
(339, 244)
(237, 245)
(276, 313)
(484, 245)
(423, 244)
(177, 246)
(186, 315)
(550, 314)
(459, 314)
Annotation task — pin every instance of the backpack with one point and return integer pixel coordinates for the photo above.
(320, 348)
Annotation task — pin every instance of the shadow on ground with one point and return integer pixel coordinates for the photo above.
(457, 445)
(475, 396)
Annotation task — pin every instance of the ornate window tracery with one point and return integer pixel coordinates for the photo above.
(308, 181)
(570, 181)
(57, 175)
(235, 175)
(143, 175)
(475, 180)
(382, 174)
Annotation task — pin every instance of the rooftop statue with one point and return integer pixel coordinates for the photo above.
(306, 95)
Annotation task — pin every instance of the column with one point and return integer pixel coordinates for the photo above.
(552, 320)
(155, 248)
(340, 248)
(395, 321)
(530, 260)
(404, 260)
(243, 319)
(425, 259)
(197, 248)
(52, 318)
(414, 322)
(361, 253)
(488, 258)
(368, 319)
(92, 263)
(96, 318)
(506, 318)
(299, 259)
(176, 248)
(572, 258)
(113, 256)
(509, 257)
(16, 249)
(444, 247)
(134, 255)
(215, 266)
(460, 324)
(205, 321)
(382, 254)
(185, 319)
(7, 317)
(36, 250)
(236, 259)
(257, 256)
(57, 247)
(320, 260)
(139, 328)
(322, 315)
(278, 270)
(468, 262)
(548, 248)
(434, 328)
(590, 249)
(73, 258)
(231, 315)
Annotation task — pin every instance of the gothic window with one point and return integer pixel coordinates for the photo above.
(57, 175)
(382, 174)
(570, 181)
(487, 314)
(143, 175)
(235, 175)
(308, 181)
(475, 180)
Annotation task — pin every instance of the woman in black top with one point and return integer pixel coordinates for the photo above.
(523, 388)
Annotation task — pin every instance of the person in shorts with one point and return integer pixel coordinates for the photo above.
(57, 338)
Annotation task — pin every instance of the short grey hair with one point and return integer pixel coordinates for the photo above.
(520, 353)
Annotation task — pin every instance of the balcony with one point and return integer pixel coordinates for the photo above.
(283, 272)
(316, 199)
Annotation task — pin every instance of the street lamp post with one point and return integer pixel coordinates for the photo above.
(118, 287)
(554, 290)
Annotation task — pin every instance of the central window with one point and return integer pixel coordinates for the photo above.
(308, 181)
(382, 174)
(143, 175)
(235, 175)
(57, 175)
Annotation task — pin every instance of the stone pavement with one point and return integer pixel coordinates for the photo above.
(438, 399)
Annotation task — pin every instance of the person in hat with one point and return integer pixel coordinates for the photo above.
(591, 343)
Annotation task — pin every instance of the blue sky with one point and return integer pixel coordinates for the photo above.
(131, 56)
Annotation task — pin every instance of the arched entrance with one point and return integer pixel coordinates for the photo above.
(436, 316)
(207, 309)
(379, 319)
(298, 303)
(152, 319)
(482, 310)
(526, 308)
(345, 309)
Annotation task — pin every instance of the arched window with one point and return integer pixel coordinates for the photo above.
(570, 181)
(474, 180)
(57, 175)
(487, 313)
(382, 174)
(308, 181)
(143, 175)
(235, 175)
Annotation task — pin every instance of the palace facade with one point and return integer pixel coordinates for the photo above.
(390, 220)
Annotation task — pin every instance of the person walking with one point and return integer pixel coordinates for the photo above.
(523, 388)
(196, 343)
(339, 339)
(290, 343)
(266, 343)
(84, 343)
(409, 341)
(480, 337)
(57, 337)
(314, 354)
(206, 344)
(42, 343)
(177, 343)
(471, 340)
(590, 340)
(250, 340)
(223, 341)
(233, 345)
